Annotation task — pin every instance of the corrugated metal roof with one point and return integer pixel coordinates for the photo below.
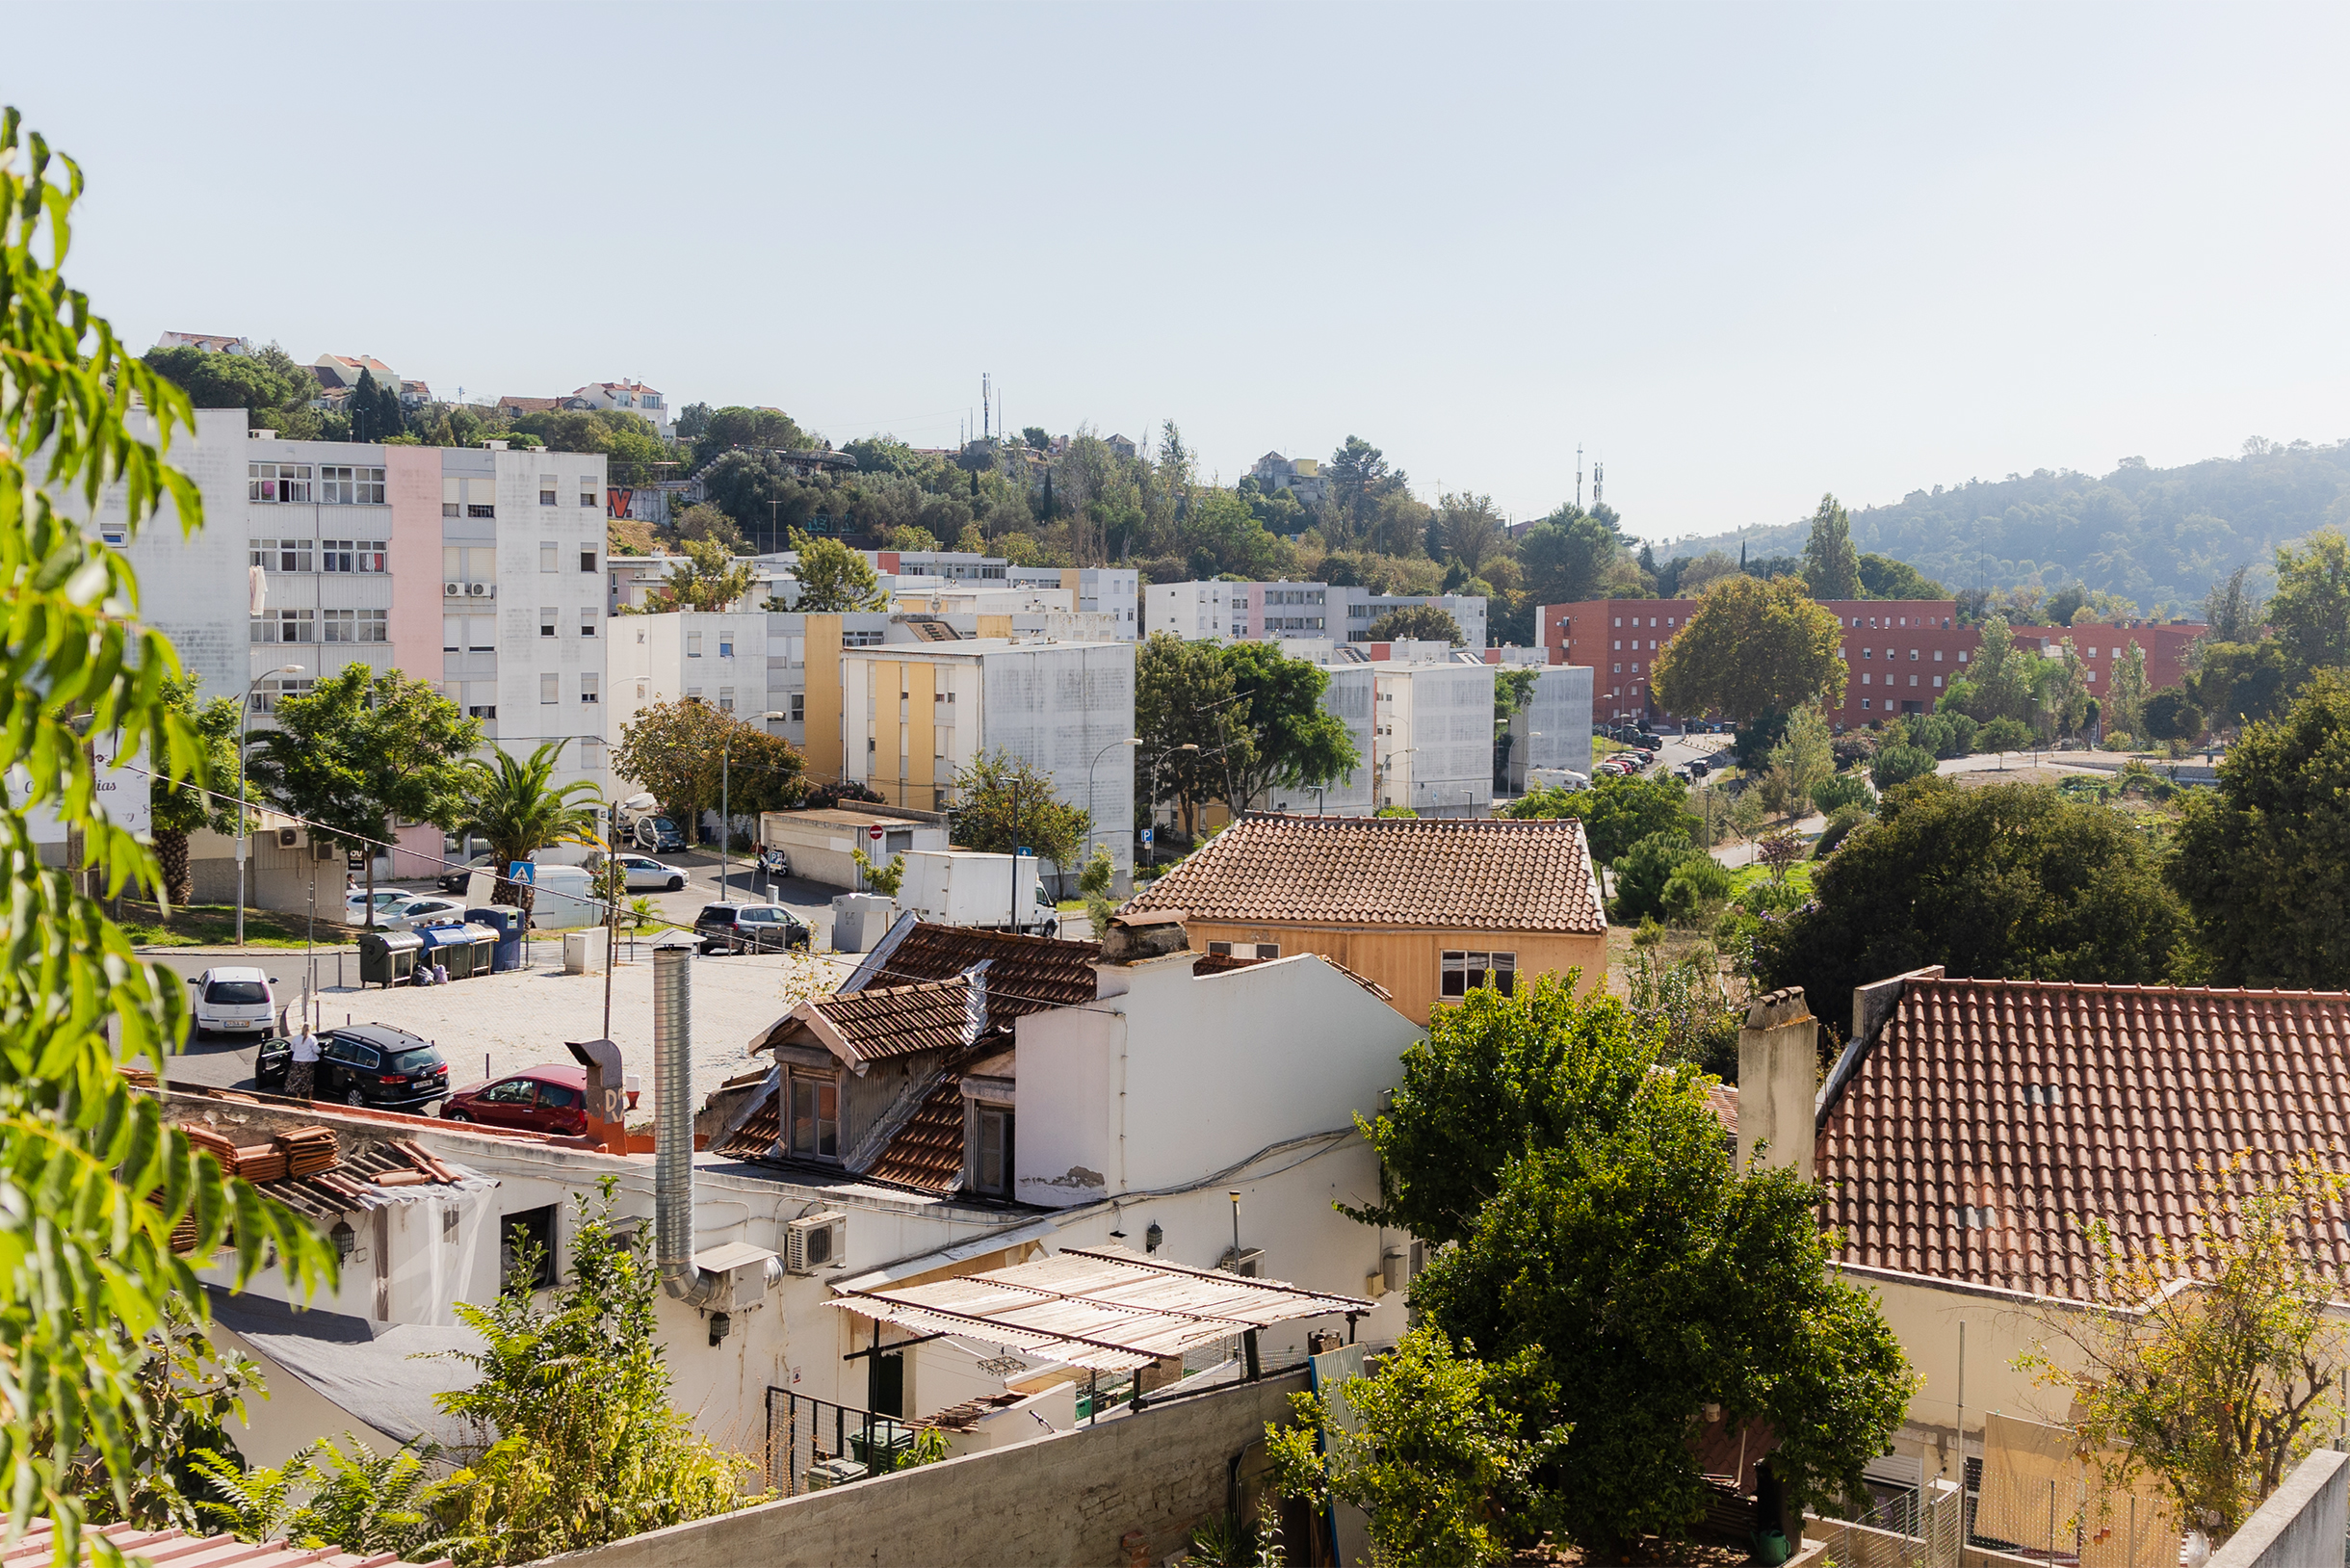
(177, 1548)
(1108, 1308)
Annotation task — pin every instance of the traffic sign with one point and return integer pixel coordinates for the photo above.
(873, 832)
(1024, 849)
(522, 871)
(1146, 837)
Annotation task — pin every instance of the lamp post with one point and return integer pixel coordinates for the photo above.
(1091, 835)
(726, 817)
(243, 720)
(1187, 745)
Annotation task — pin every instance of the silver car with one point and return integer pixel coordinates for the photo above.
(646, 874)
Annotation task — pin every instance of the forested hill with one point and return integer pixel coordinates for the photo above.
(2158, 535)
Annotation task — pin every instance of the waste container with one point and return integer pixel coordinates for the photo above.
(458, 949)
(388, 957)
(506, 927)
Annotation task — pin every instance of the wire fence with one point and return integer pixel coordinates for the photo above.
(813, 1444)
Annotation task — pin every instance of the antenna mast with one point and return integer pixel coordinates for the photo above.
(1579, 476)
(1598, 472)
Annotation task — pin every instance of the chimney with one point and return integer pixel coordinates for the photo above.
(1143, 934)
(673, 1239)
(1778, 1082)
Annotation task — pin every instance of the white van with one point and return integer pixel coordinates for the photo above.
(564, 899)
(234, 1002)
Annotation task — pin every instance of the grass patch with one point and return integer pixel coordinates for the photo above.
(214, 924)
(1798, 875)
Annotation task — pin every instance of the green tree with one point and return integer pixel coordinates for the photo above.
(2311, 610)
(1831, 565)
(260, 383)
(1432, 1453)
(2002, 684)
(578, 1444)
(363, 751)
(1470, 532)
(2234, 683)
(1004, 805)
(374, 409)
(1418, 623)
(2264, 859)
(1616, 813)
(1882, 577)
(1360, 478)
(1603, 1231)
(2004, 735)
(735, 426)
(1897, 764)
(1803, 760)
(687, 754)
(709, 578)
(519, 808)
(179, 806)
(1568, 555)
(2125, 702)
(2010, 883)
(833, 578)
(1752, 647)
(2170, 714)
(1197, 738)
(2232, 610)
(704, 521)
(1221, 536)
(98, 1178)
(1643, 870)
(1293, 742)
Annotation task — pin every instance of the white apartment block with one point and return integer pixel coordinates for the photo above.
(1198, 610)
(716, 657)
(1432, 737)
(478, 570)
(1553, 730)
(1350, 696)
(915, 713)
(1111, 591)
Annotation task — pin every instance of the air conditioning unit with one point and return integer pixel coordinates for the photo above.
(818, 1241)
(1240, 1261)
(452, 590)
(736, 1274)
(322, 849)
(480, 590)
(289, 838)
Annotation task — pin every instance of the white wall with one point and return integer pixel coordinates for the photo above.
(1553, 730)
(1063, 707)
(523, 527)
(1348, 696)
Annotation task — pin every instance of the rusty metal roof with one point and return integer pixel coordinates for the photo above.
(177, 1548)
(1108, 1308)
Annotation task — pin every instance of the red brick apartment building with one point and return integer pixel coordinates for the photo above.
(1902, 653)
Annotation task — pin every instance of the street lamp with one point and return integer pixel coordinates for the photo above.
(725, 817)
(1162, 756)
(243, 719)
(1090, 834)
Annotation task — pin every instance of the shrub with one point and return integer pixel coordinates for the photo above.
(1644, 869)
(1698, 883)
(1844, 789)
(1898, 765)
(1840, 823)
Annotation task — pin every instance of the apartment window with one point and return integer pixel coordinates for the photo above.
(548, 550)
(994, 1172)
(591, 688)
(1938, 655)
(1961, 656)
(356, 625)
(449, 509)
(726, 700)
(726, 644)
(452, 634)
(1912, 656)
(343, 485)
(1869, 653)
(587, 620)
(550, 689)
(546, 489)
(1938, 680)
(282, 555)
(799, 707)
(351, 556)
(266, 695)
(482, 710)
(469, 564)
(277, 482)
(693, 644)
(285, 626)
(526, 1241)
(586, 561)
(1865, 702)
(814, 1131)
(546, 621)
(481, 633)
(1867, 679)
(586, 489)
(474, 508)
(1467, 972)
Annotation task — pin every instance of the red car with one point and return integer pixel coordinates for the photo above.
(549, 1099)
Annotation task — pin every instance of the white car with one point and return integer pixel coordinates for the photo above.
(645, 874)
(385, 899)
(432, 909)
(234, 1002)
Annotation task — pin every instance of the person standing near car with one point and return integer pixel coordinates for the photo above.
(302, 1070)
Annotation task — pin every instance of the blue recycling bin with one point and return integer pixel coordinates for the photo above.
(507, 924)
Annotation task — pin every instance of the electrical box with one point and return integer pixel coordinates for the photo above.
(818, 1241)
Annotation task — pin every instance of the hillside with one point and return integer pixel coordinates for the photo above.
(2158, 535)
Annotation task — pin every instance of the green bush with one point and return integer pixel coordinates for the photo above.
(1898, 765)
(1840, 823)
(1643, 869)
(1844, 789)
(1698, 883)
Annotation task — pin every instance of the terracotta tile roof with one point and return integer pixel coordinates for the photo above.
(889, 1021)
(1987, 1120)
(927, 1151)
(756, 1137)
(1025, 974)
(177, 1548)
(1464, 874)
(1723, 1099)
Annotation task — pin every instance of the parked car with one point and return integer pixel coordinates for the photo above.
(1696, 768)
(234, 1000)
(426, 909)
(658, 834)
(453, 880)
(749, 927)
(549, 1099)
(357, 901)
(645, 874)
(362, 1065)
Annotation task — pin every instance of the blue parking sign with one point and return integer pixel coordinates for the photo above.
(1146, 837)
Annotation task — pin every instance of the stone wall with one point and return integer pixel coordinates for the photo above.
(1069, 1498)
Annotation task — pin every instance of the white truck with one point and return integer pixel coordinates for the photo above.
(970, 887)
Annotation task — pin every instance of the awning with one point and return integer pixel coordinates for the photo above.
(1107, 1308)
(384, 1375)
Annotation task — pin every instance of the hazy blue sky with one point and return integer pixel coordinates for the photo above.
(1743, 255)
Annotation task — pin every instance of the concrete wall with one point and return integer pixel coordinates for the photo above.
(2302, 1523)
(1348, 696)
(1070, 1498)
(1555, 728)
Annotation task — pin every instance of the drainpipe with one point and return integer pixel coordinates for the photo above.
(674, 1120)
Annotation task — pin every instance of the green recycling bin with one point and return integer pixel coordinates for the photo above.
(388, 957)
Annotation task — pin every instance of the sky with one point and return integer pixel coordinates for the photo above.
(1740, 255)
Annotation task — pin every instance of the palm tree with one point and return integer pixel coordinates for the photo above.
(514, 805)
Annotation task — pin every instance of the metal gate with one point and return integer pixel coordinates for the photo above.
(812, 1443)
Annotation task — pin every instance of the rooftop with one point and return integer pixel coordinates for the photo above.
(177, 1548)
(1975, 1133)
(1459, 874)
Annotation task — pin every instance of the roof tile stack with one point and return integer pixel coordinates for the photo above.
(1450, 873)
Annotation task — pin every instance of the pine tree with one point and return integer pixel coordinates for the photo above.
(1831, 565)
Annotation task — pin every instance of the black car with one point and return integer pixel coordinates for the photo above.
(749, 927)
(362, 1065)
(454, 880)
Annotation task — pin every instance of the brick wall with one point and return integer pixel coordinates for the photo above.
(1069, 1498)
